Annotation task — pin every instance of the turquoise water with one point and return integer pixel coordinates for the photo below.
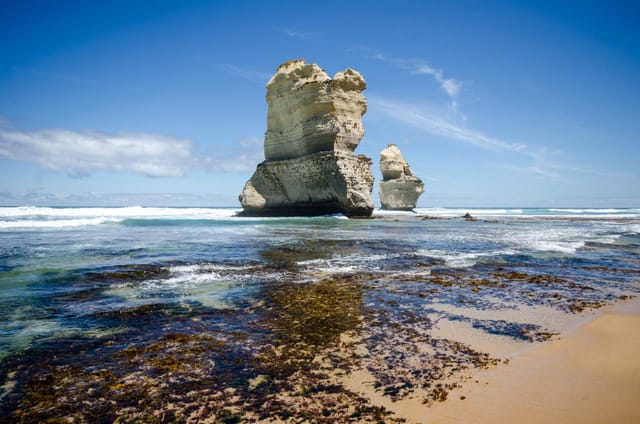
(70, 276)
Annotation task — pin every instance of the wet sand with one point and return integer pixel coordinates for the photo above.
(591, 375)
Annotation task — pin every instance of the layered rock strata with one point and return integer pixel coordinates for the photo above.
(314, 124)
(400, 189)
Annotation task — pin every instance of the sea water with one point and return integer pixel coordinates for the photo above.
(68, 276)
(211, 256)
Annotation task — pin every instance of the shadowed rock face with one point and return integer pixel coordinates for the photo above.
(399, 190)
(314, 124)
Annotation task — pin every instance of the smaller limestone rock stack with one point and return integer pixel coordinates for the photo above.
(399, 189)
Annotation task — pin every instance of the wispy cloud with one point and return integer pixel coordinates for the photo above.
(548, 167)
(433, 123)
(450, 86)
(540, 171)
(248, 74)
(80, 153)
(544, 162)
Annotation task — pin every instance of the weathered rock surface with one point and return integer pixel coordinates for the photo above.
(400, 189)
(314, 124)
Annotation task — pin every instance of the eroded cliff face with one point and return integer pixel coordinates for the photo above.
(314, 124)
(400, 189)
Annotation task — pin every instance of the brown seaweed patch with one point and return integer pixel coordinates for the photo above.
(135, 312)
(611, 270)
(306, 349)
(136, 383)
(288, 256)
(133, 272)
(544, 280)
(314, 314)
(578, 305)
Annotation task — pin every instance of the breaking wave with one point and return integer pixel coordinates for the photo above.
(33, 217)
(58, 223)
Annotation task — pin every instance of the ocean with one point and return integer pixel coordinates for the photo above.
(170, 314)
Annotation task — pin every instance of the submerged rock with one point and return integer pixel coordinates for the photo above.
(314, 124)
(399, 190)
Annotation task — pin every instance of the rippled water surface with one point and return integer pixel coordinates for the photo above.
(179, 313)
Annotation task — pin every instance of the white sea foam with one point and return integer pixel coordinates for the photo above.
(210, 268)
(335, 268)
(512, 240)
(564, 240)
(595, 211)
(183, 277)
(58, 223)
(347, 259)
(454, 212)
(457, 259)
(343, 264)
(46, 217)
(9, 216)
(202, 283)
(520, 212)
(383, 212)
(633, 228)
(554, 246)
(123, 212)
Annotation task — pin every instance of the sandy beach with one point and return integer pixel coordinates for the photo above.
(590, 375)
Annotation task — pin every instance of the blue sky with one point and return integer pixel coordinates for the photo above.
(493, 103)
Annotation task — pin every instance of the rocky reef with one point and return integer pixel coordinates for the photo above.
(314, 124)
(400, 189)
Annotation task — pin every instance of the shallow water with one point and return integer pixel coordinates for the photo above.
(83, 288)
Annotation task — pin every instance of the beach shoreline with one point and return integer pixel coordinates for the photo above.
(588, 375)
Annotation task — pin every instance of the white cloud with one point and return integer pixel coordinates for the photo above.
(80, 153)
(543, 160)
(450, 86)
(533, 169)
(435, 124)
(552, 168)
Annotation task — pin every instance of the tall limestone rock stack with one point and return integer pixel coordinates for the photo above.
(399, 189)
(314, 124)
